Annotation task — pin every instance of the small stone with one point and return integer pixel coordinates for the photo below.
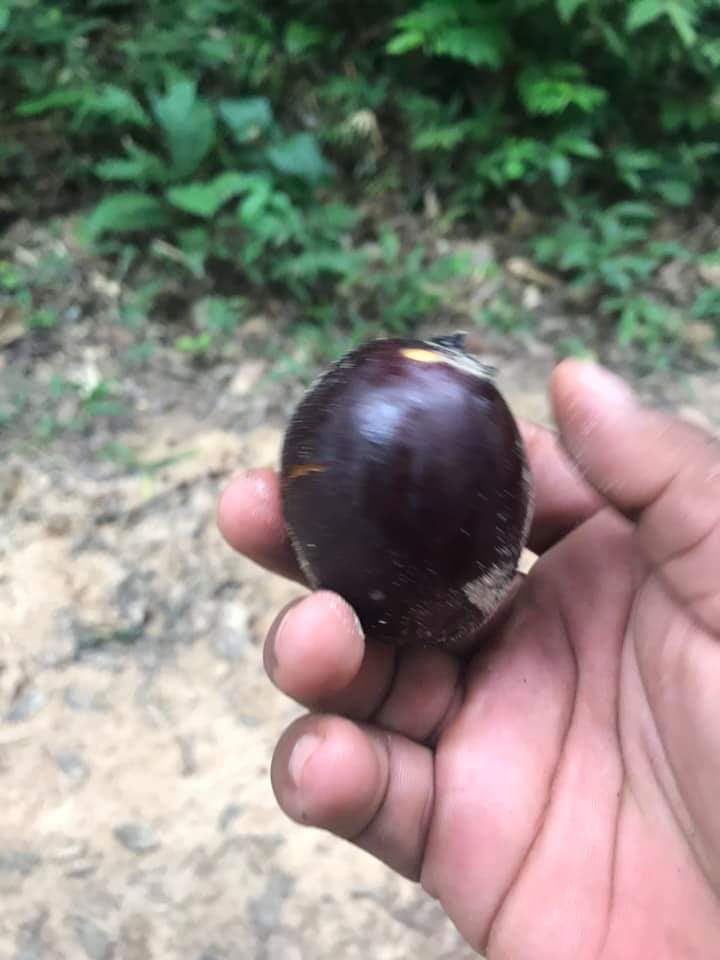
(59, 848)
(27, 705)
(31, 940)
(699, 334)
(18, 861)
(231, 812)
(57, 524)
(265, 910)
(526, 270)
(232, 633)
(248, 720)
(137, 836)
(93, 939)
(62, 645)
(246, 378)
(132, 598)
(84, 866)
(10, 482)
(672, 277)
(134, 938)
(188, 762)
(72, 765)
(531, 297)
(710, 273)
(81, 699)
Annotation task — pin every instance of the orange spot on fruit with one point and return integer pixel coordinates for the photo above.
(303, 469)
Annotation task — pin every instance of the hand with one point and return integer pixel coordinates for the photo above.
(559, 791)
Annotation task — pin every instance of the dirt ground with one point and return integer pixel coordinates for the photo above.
(137, 726)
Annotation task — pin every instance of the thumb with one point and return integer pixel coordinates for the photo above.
(655, 469)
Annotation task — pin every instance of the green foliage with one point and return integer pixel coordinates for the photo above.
(216, 320)
(227, 139)
(612, 257)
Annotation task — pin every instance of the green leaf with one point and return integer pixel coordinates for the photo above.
(5, 12)
(553, 88)
(642, 12)
(205, 199)
(115, 104)
(568, 8)
(707, 304)
(301, 37)
(677, 192)
(139, 167)
(710, 50)
(129, 212)
(560, 169)
(633, 210)
(107, 101)
(578, 146)
(57, 100)
(246, 119)
(681, 16)
(194, 244)
(299, 156)
(258, 198)
(188, 125)
(194, 344)
(404, 42)
(480, 46)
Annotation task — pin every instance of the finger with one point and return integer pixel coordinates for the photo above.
(316, 654)
(250, 519)
(370, 787)
(563, 499)
(660, 472)
(316, 649)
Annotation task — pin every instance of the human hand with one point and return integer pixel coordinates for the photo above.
(558, 791)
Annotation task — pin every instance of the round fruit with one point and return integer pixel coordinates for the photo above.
(406, 490)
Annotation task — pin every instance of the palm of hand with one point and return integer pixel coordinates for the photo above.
(559, 791)
(571, 817)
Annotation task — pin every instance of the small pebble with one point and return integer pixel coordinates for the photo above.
(81, 699)
(137, 836)
(93, 939)
(18, 861)
(72, 765)
(27, 704)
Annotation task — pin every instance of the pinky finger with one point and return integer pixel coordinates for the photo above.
(366, 785)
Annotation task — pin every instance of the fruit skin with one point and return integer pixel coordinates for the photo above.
(405, 489)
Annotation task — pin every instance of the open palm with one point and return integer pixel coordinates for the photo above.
(558, 790)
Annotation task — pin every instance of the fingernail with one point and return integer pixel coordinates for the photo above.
(270, 653)
(275, 632)
(301, 753)
(607, 385)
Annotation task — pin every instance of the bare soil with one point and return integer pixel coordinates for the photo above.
(137, 725)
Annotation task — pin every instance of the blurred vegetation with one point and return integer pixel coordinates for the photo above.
(321, 150)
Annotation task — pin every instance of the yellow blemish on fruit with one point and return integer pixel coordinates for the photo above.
(422, 356)
(303, 469)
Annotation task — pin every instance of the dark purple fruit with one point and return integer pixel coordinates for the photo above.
(406, 490)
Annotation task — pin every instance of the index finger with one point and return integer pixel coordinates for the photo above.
(250, 518)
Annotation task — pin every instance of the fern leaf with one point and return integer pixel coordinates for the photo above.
(555, 88)
(480, 46)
